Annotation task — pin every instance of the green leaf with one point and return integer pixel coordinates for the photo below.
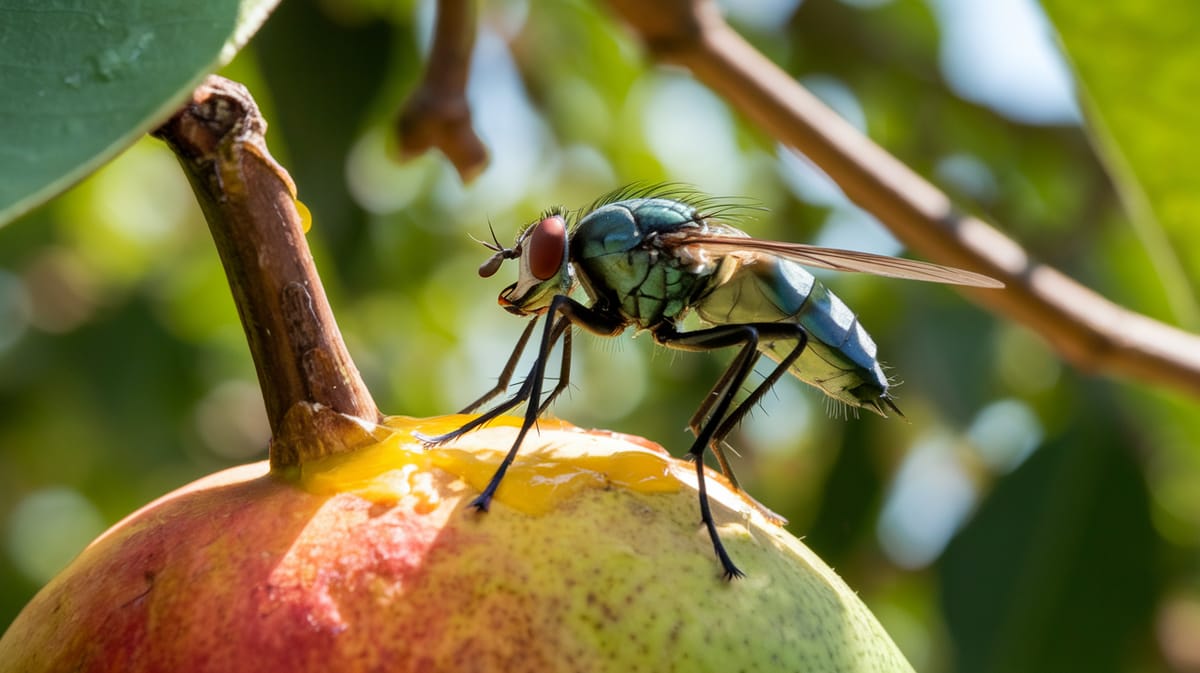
(1056, 570)
(1137, 62)
(83, 80)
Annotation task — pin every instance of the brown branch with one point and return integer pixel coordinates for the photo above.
(437, 113)
(312, 390)
(1085, 328)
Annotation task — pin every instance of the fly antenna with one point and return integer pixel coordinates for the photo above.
(494, 245)
(492, 265)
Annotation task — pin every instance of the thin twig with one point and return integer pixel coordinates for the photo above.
(437, 113)
(312, 390)
(1084, 327)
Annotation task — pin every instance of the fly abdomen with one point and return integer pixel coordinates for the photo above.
(842, 362)
(840, 356)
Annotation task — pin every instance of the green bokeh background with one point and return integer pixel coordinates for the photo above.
(1027, 517)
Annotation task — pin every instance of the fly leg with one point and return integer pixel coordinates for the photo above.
(561, 330)
(745, 406)
(505, 374)
(593, 320)
(721, 398)
(702, 413)
(523, 393)
(564, 366)
(560, 316)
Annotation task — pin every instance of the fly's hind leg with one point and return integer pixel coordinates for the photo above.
(715, 420)
(744, 407)
(731, 421)
(790, 332)
(702, 412)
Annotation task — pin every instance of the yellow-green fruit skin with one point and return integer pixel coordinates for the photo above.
(246, 570)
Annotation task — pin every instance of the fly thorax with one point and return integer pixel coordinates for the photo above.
(628, 254)
(643, 284)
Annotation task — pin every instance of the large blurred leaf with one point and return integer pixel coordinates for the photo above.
(1139, 63)
(1055, 572)
(318, 131)
(82, 80)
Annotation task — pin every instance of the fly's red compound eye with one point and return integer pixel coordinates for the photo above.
(545, 246)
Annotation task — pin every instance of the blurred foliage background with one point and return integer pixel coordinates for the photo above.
(1027, 516)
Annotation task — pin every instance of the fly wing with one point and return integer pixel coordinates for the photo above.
(846, 260)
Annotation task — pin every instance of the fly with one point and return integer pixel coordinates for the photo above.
(646, 257)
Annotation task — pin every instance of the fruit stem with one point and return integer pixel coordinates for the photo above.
(249, 200)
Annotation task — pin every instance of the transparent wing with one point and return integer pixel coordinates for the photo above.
(847, 260)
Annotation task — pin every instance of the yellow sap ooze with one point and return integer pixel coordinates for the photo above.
(305, 216)
(592, 558)
(543, 474)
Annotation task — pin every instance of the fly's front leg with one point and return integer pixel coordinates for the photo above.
(564, 365)
(561, 330)
(572, 312)
(553, 332)
(505, 374)
(721, 420)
